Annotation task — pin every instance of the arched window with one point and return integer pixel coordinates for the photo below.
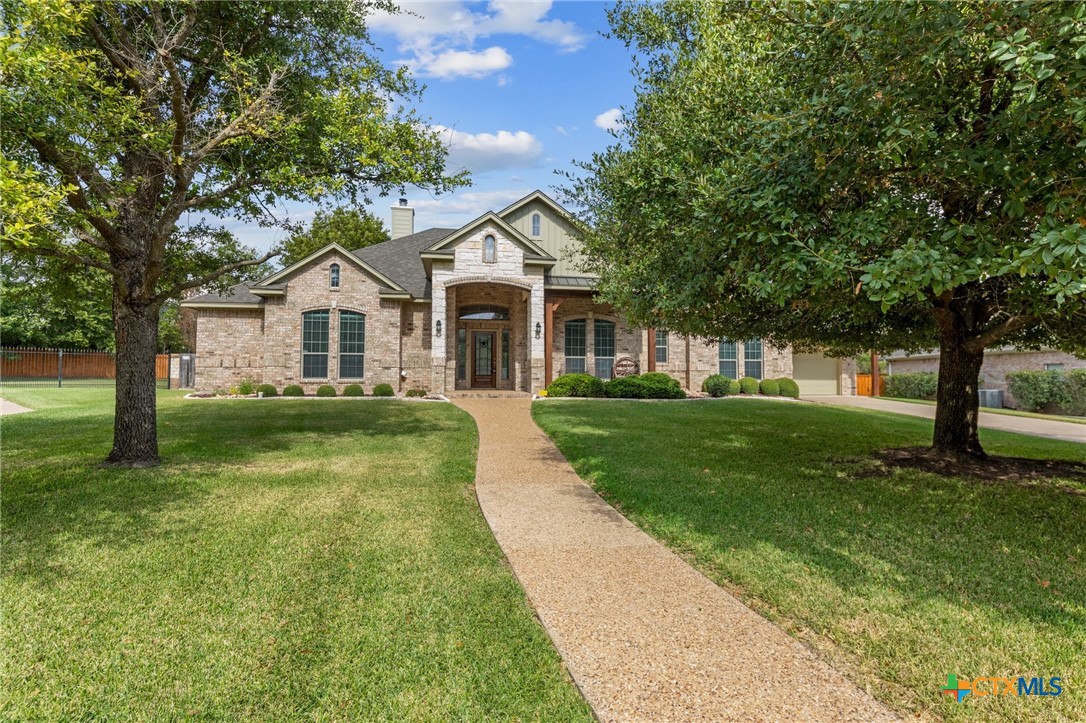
(575, 346)
(315, 344)
(729, 361)
(752, 358)
(333, 276)
(603, 347)
(535, 224)
(352, 345)
(490, 254)
(484, 312)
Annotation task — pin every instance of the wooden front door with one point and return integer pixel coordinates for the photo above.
(482, 359)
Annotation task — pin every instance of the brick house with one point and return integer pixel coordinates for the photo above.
(500, 303)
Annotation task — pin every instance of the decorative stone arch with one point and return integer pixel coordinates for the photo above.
(481, 279)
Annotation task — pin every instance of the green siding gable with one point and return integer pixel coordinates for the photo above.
(557, 236)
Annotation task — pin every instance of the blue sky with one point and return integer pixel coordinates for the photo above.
(517, 89)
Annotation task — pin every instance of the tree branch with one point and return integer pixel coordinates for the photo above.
(235, 129)
(193, 283)
(55, 253)
(993, 334)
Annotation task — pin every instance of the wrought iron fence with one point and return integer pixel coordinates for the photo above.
(68, 368)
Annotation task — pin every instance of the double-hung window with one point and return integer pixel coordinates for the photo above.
(575, 346)
(728, 361)
(603, 347)
(661, 347)
(315, 344)
(752, 358)
(352, 345)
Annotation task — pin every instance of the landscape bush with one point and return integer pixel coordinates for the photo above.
(293, 390)
(748, 385)
(326, 390)
(769, 387)
(1074, 392)
(416, 393)
(654, 385)
(267, 390)
(912, 385)
(576, 385)
(718, 385)
(1035, 390)
(353, 390)
(788, 387)
(247, 387)
(384, 390)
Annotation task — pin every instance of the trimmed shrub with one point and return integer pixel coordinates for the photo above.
(748, 385)
(788, 387)
(1074, 392)
(326, 390)
(914, 385)
(1036, 390)
(769, 388)
(719, 385)
(624, 388)
(247, 387)
(416, 393)
(576, 385)
(384, 390)
(267, 390)
(293, 390)
(646, 386)
(734, 387)
(353, 390)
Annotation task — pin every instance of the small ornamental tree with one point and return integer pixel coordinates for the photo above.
(121, 119)
(851, 177)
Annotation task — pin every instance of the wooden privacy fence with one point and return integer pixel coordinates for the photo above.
(863, 385)
(67, 367)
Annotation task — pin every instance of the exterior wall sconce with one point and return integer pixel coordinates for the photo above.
(437, 327)
(538, 329)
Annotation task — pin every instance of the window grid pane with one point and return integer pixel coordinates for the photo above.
(661, 347)
(603, 347)
(575, 346)
(752, 358)
(729, 366)
(315, 344)
(352, 344)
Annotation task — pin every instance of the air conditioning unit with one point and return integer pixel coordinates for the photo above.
(991, 398)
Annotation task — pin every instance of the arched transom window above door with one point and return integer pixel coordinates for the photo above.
(484, 312)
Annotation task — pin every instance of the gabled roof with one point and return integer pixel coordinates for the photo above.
(238, 296)
(279, 275)
(542, 198)
(510, 233)
(400, 260)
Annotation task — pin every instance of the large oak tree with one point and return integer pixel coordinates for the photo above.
(850, 177)
(138, 115)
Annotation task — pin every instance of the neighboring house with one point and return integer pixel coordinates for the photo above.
(500, 303)
(998, 363)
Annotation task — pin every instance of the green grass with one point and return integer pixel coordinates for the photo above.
(1008, 412)
(898, 580)
(291, 560)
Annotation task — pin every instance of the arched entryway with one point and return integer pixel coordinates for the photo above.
(490, 337)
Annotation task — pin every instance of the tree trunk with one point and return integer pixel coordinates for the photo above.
(135, 428)
(957, 401)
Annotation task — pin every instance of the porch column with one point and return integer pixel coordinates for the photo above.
(548, 343)
(538, 346)
(439, 343)
(651, 348)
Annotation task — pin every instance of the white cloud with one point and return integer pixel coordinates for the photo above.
(467, 63)
(427, 31)
(461, 207)
(482, 152)
(609, 120)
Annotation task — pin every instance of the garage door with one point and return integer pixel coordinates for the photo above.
(815, 374)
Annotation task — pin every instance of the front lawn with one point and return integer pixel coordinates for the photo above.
(899, 579)
(292, 560)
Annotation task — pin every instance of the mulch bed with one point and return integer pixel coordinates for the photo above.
(992, 470)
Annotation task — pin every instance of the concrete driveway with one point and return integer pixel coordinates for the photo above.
(1051, 428)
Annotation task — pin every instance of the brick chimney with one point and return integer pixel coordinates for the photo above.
(403, 219)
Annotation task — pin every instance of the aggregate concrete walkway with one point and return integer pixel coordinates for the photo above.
(7, 407)
(645, 636)
(1051, 428)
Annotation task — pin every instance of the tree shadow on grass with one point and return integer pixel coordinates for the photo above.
(750, 479)
(55, 497)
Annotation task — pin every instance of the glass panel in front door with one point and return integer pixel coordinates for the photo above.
(484, 355)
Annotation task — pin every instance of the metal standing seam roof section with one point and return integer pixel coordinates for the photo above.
(588, 283)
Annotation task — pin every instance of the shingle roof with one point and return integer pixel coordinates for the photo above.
(238, 294)
(399, 259)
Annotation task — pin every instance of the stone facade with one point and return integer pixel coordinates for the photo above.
(421, 338)
(998, 363)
